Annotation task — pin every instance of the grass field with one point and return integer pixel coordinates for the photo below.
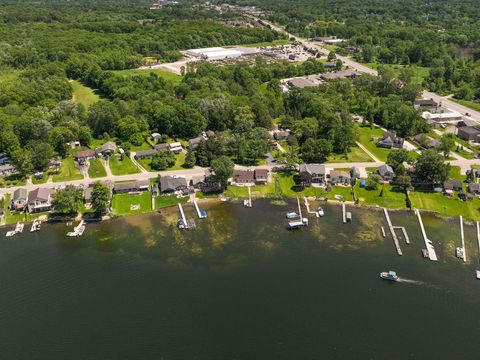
(389, 199)
(166, 201)
(471, 104)
(121, 203)
(40, 181)
(83, 94)
(68, 171)
(445, 205)
(96, 169)
(167, 75)
(180, 160)
(12, 180)
(365, 138)
(355, 155)
(123, 167)
(11, 218)
(420, 73)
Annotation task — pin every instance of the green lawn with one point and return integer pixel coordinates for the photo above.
(83, 94)
(445, 205)
(365, 138)
(123, 167)
(144, 146)
(96, 169)
(12, 180)
(389, 199)
(68, 171)
(471, 104)
(260, 191)
(167, 75)
(42, 180)
(355, 155)
(420, 73)
(121, 203)
(11, 218)
(167, 201)
(180, 160)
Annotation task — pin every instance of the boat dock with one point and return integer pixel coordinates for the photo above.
(301, 221)
(392, 231)
(248, 203)
(344, 214)
(202, 214)
(77, 230)
(462, 235)
(428, 244)
(183, 223)
(307, 206)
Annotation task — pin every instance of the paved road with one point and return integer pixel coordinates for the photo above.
(446, 102)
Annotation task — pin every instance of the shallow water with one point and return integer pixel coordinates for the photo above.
(240, 286)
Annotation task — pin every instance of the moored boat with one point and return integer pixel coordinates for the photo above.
(291, 215)
(35, 225)
(477, 273)
(459, 252)
(390, 275)
(320, 211)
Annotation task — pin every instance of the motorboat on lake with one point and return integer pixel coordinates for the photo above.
(320, 211)
(390, 275)
(292, 215)
(459, 252)
(35, 225)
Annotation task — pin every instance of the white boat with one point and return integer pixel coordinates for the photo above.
(390, 275)
(19, 228)
(77, 230)
(320, 211)
(10, 233)
(459, 252)
(35, 225)
(291, 215)
(477, 273)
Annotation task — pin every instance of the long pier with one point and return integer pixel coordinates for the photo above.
(184, 219)
(392, 231)
(299, 209)
(463, 240)
(201, 214)
(344, 213)
(307, 206)
(478, 235)
(428, 244)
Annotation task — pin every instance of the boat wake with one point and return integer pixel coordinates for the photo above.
(410, 281)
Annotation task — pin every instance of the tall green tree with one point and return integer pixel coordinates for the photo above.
(68, 201)
(222, 169)
(100, 198)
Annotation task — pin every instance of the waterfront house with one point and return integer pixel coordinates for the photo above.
(145, 154)
(175, 147)
(474, 188)
(6, 169)
(243, 177)
(386, 172)
(39, 200)
(131, 186)
(155, 190)
(210, 184)
(340, 177)
(87, 195)
(172, 184)
(469, 133)
(197, 181)
(355, 173)
(261, 176)
(83, 156)
(312, 174)
(452, 184)
(390, 140)
(19, 200)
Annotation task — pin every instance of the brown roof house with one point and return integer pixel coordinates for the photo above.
(242, 177)
(84, 155)
(261, 176)
(39, 200)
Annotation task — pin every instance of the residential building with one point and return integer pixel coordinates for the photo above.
(6, 169)
(131, 186)
(39, 200)
(175, 147)
(452, 184)
(171, 184)
(108, 148)
(83, 156)
(340, 177)
(340, 74)
(469, 133)
(162, 146)
(261, 175)
(446, 117)
(156, 136)
(87, 195)
(355, 173)
(312, 174)
(426, 141)
(386, 172)
(390, 140)
(281, 134)
(193, 143)
(426, 104)
(4, 159)
(210, 184)
(19, 200)
(242, 177)
(474, 188)
(144, 154)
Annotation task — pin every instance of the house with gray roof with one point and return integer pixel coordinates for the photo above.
(312, 174)
(144, 154)
(193, 143)
(108, 148)
(474, 188)
(390, 140)
(19, 200)
(171, 184)
(131, 186)
(39, 200)
(386, 172)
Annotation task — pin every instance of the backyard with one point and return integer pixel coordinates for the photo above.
(126, 204)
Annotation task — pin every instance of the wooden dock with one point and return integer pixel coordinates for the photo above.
(404, 231)
(344, 213)
(428, 244)
(307, 206)
(392, 231)
(462, 234)
(201, 214)
(182, 213)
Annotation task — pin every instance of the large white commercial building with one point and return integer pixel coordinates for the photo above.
(219, 53)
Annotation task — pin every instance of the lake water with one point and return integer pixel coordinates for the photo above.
(240, 286)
